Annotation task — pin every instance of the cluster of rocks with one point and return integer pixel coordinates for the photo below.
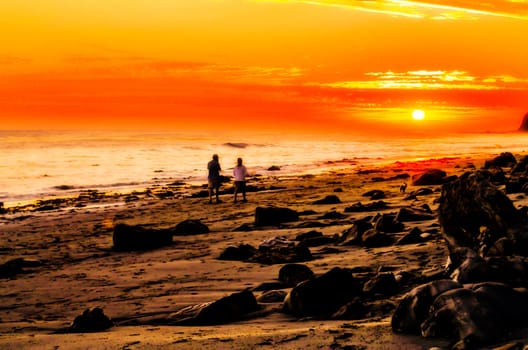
(137, 237)
(485, 296)
(477, 300)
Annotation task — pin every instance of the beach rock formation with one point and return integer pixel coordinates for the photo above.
(130, 238)
(503, 160)
(330, 199)
(91, 320)
(322, 296)
(15, 266)
(429, 177)
(524, 123)
(224, 310)
(293, 274)
(190, 227)
(271, 216)
(473, 213)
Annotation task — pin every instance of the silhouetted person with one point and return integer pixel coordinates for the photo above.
(240, 173)
(214, 178)
(403, 187)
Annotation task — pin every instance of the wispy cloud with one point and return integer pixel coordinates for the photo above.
(432, 80)
(439, 9)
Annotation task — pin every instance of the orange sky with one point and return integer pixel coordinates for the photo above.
(284, 64)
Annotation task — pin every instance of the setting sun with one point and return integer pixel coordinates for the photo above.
(418, 114)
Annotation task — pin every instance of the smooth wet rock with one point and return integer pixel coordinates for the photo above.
(331, 199)
(406, 214)
(383, 284)
(474, 213)
(242, 252)
(224, 310)
(293, 274)
(413, 309)
(505, 159)
(272, 216)
(130, 238)
(360, 207)
(429, 177)
(322, 296)
(91, 320)
(190, 227)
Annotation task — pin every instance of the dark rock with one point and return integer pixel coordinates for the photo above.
(413, 214)
(2, 209)
(353, 235)
(353, 310)
(505, 159)
(244, 228)
(388, 223)
(471, 203)
(270, 216)
(413, 309)
(414, 236)
(281, 251)
(359, 207)
(373, 239)
(224, 310)
(293, 274)
(422, 192)
(272, 296)
(374, 194)
(331, 199)
(190, 227)
(521, 167)
(241, 252)
(307, 235)
(323, 295)
(429, 177)
(130, 238)
(384, 284)
(274, 168)
(16, 266)
(91, 320)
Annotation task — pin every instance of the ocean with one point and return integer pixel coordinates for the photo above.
(44, 164)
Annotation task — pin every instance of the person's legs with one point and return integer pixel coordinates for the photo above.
(217, 188)
(243, 185)
(211, 189)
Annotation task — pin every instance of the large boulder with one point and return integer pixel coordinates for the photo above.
(190, 227)
(91, 320)
(473, 213)
(224, 310)
(429, 177)
(505, 159)
(130, 238)
(271, 216)
(322, 296)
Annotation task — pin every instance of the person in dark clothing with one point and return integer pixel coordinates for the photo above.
(214, 178)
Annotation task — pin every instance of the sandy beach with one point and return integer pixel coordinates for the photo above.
(69, 264)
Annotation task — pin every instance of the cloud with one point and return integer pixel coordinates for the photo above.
(439, 9)
(432, 80)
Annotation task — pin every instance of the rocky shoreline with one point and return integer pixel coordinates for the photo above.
(314, 262)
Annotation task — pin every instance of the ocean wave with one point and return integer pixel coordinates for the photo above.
(236, 144)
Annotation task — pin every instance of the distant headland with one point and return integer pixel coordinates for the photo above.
(524, 124)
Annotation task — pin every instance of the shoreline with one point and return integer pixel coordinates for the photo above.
(74, 266)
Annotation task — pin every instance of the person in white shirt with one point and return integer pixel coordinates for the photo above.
(240, 173)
